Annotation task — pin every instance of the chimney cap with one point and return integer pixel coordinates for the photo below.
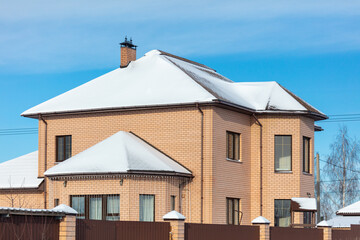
(128, 43)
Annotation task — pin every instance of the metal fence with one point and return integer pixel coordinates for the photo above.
(286, 233)
(121, 230)
(352, 234)
(195, 231)
(16, 227)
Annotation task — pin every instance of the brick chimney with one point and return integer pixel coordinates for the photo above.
(128, 52)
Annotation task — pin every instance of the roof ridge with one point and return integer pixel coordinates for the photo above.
(185, 60)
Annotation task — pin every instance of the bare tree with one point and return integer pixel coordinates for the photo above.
(341, 174)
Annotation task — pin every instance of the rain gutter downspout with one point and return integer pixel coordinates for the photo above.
(261, 164)
(202, 162)
(45, 158)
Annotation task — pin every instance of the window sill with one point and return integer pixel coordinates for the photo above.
(284, 172)
(307, 174)
(232, 160)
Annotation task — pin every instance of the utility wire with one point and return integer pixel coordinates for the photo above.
(17, 131)
(339, 166)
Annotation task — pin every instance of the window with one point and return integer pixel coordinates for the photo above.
(172, 203)
(97, 207)
(56, 202)
(78, 203)
(147, 208)
(307, 216)
(232, 210)
(113, 208)
(283, 153)
(63, 148)
(306, 154)
(282, 213)
(233, 146)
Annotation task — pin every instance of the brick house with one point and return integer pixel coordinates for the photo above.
(162, 133)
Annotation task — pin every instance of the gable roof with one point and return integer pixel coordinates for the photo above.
(352, 209)
(122, 152)
(20, 173)
(161, 79)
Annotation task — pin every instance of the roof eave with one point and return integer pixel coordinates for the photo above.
(121, 174)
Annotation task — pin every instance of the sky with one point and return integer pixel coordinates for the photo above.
(310, 47)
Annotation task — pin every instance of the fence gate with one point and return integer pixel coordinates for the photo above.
(28, 227)
(194, 231)
(121, 230)
(286, 233)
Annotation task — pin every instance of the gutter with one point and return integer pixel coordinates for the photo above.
(261, 164)
(202, 162)
(45, 158)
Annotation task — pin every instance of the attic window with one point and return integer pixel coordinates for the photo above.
(63, 148)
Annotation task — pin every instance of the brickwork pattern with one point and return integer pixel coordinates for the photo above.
(21, 199)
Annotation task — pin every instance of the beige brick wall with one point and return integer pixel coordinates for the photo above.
(21, 199)
(177, 132)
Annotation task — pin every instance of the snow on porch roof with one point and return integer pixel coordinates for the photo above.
(160, 79)
(305, 204)
(122, 152)
(20, 173)
(352, 209)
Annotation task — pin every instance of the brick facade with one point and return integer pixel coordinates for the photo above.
(177, 132)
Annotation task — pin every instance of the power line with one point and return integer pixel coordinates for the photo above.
(17, 131)
(345, 114)
(339, 166)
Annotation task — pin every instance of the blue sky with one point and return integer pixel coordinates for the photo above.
(310, 47)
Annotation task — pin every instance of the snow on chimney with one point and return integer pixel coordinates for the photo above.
(128, 52)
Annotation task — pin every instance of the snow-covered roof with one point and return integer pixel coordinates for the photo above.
(61, 209)
(352, 209)
(260, 220)
(306, 203)
(340, 222)
(122, 152)
(174, 215)
(20, 173)
(159, 79)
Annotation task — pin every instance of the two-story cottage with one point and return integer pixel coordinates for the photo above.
(162, 133)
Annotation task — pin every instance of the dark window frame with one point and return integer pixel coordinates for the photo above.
(64, 137)
(234, 153)
(104, 203)
(234, 213)
(308, 152)
(291, 153)
(289, 201)
(153, 207)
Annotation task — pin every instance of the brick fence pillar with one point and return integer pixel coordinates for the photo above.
(67, 229)
(177, 225)
(327, 230)
(264, 226)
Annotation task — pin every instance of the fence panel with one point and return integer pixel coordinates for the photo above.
(29, 227)
(286, 233)
(353, 234)
(121, 230)
(194, 231)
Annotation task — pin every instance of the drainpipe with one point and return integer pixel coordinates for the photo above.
(45, 158)
(202, 162)
(261, 164)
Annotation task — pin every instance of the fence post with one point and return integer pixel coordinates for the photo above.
(177, 225)
(67, 226)
(264, 226)
(327, 231)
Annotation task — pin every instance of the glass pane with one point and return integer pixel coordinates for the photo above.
(78, 203)
(236, 211)
(172, 207)
(67, 147)
(230, 146)
(237, 147)
(286, 140)
(112, 218)
(60, 148)
(306, 154)
(95, 208)
(278, 140)
(146, 208)
(113, 205)
(282, 213)
(283, 153)
(230, 211)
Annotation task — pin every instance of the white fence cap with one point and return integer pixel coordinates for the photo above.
(260, 220)
(174, 215)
